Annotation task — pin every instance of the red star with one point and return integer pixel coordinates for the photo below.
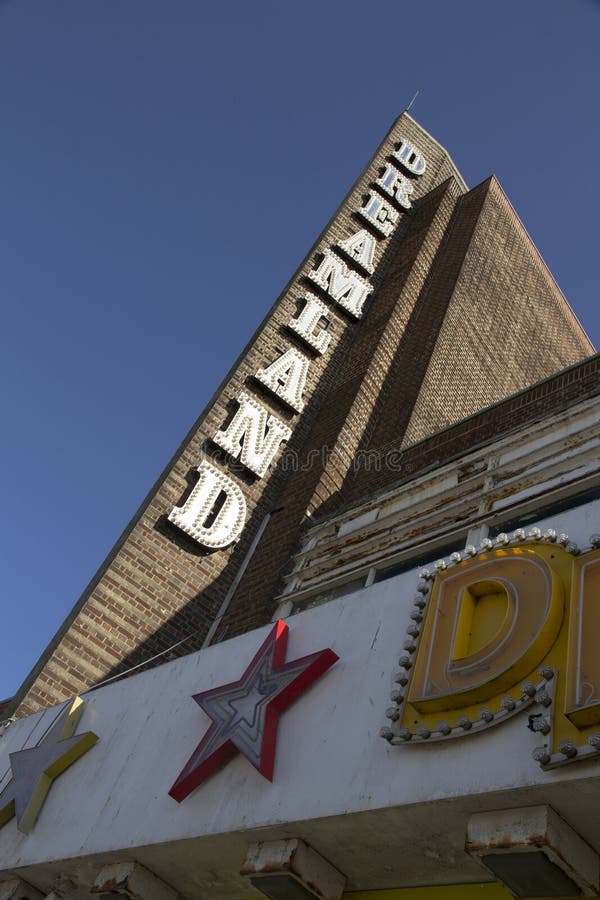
(245, 713)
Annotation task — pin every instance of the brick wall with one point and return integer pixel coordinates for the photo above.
(334, 438)
(158, 587)
(412, 364)
(469, 317)
(507, 323)
(542, 400)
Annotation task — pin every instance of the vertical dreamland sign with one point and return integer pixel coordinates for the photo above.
(214, 514)
(499, 630)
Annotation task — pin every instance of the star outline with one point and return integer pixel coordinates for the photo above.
(303, 671)
(27, 806)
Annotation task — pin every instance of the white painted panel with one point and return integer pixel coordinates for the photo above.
(330, 758)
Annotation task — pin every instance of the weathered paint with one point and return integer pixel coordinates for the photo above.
(336, 783)
(444, 892)
(132, 880)
(485, 891)
(511, 476)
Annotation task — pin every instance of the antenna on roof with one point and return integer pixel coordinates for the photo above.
(408, 108)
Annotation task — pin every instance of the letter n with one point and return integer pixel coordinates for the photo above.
(253, 435)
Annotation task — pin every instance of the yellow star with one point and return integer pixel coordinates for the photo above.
(34, 769)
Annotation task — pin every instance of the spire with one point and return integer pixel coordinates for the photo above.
(409, 107)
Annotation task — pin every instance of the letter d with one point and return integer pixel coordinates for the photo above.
(491, 621)
(211, 525)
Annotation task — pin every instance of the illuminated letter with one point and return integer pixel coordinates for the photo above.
(409, 157)
(360, 247)
(380, 214)
(216, 500)
(253, 435)
(286, 377)
(491, 621)
(396, 185)
(583, 669)
(342, 285)
(308, 320)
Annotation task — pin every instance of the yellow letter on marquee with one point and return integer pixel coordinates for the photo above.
(491, 622)
(493, 626)
(583, 678)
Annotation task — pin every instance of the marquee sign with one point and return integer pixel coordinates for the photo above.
(506, 627)
(245, 713)
(214, 514)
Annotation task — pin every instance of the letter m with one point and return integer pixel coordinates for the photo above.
(347, 288)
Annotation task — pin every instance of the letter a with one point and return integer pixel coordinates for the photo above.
(286, 377)
(361, 248)
(193, 515)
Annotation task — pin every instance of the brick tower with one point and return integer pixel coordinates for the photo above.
(421, 303)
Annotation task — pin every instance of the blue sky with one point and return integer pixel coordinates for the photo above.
(164, 167)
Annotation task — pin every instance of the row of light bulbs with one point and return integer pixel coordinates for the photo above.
(508, 706)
